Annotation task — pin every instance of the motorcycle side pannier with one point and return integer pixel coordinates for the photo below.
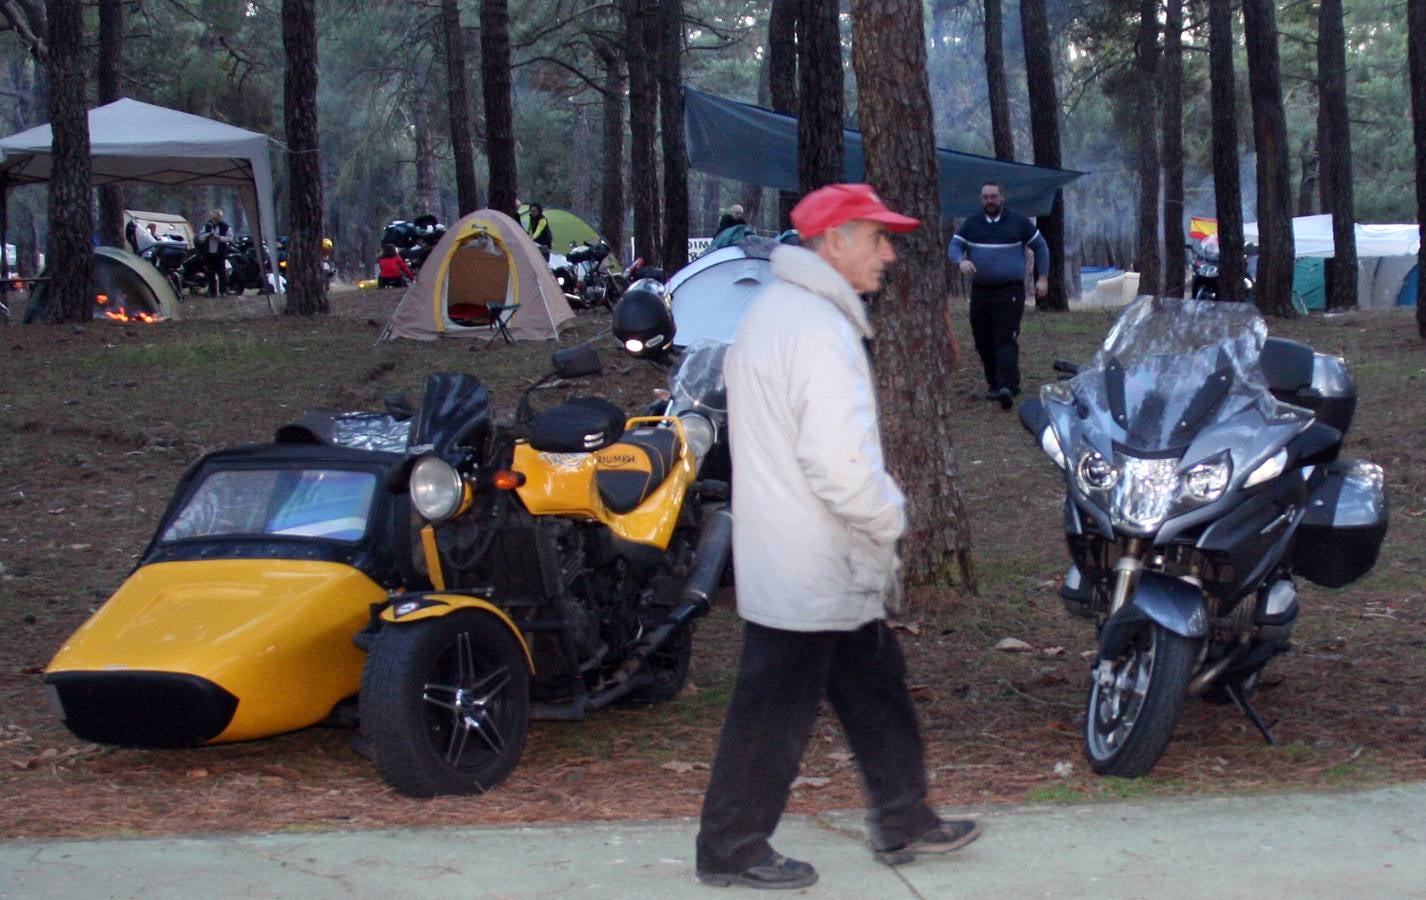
(1341, 533)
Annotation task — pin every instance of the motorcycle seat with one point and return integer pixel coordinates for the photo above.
(632, 469)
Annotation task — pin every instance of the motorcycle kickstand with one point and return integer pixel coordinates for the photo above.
(1240, 700)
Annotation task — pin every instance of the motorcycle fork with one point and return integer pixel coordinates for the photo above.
(1126, 574)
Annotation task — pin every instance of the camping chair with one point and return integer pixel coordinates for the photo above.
(500, 315)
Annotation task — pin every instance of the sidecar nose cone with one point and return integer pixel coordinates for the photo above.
(141, 709)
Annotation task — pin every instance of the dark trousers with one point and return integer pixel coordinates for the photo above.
(781, 678)
(217, 273)
(995, 313)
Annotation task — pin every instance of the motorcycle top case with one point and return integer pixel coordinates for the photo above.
(1315, 381)
(1342, 530)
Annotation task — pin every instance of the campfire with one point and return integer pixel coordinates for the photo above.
(118, 313)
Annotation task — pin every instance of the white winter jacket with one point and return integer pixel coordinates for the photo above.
(816, 515)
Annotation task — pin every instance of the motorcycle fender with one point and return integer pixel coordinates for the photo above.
(419, 607)
(1174, 604)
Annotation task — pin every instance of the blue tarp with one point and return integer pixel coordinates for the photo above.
(749, 143)
(1410, 289)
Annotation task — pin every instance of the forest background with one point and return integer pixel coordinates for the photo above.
(383, 105)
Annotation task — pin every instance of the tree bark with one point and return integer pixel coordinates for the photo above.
(111, 64)
(611, 188)
(70, 256)
(669, 32)
(305, 294)
(458, 103)
(1045, 139)
(1001, 135)
(1334, 152)
(913, 350)
(641, 18)
(1146, 52)
(424, 140)
(1227, 187)
(782, 81)
(1175, 261)
(820, 91)
(499, 114)
(1275, 243)
(1416, 69)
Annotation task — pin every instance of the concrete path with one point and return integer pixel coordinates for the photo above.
(1369, 844)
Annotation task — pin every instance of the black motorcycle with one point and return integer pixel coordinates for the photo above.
(1201, 477)
(169, 256)
(414, 240)
(589, 281)
(1206, 262)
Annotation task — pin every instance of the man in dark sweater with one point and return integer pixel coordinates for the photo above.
(990, 247)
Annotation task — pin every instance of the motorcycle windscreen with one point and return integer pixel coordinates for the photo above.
(1168, 368)
(327, 503)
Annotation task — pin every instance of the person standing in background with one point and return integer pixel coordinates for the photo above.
(214, 240)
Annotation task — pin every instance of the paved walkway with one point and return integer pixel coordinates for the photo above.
(1369, 844)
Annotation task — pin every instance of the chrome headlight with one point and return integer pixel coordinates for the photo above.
(1206, 481)
(1095, 473)
(1147, 492)
(437, 490)
(699, 432)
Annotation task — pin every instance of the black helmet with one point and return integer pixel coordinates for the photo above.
(643, 322)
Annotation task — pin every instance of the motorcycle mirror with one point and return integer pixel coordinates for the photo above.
(576, 362)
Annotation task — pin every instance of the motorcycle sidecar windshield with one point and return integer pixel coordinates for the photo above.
(330, 504)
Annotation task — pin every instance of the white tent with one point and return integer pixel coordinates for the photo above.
(138, 143)
(710, 295)
(1312, 236)
(1386, 254)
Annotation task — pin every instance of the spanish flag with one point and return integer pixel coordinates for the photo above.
(1200, 228)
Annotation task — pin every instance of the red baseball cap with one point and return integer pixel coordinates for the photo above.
(837, 204)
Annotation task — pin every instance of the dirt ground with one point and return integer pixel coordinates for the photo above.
(99, 421)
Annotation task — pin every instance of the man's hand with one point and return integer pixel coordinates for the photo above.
(967, 267)
(1042, 287)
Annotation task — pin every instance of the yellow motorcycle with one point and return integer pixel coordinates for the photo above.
(569, 552)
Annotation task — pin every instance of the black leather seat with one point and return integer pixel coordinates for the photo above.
(633, 468)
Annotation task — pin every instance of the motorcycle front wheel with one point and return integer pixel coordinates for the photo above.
(1135, 702)
(445, 704)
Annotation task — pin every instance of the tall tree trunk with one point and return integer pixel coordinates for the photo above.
(305, 294)
(820, 90)
(641, 18)
(1334, 152)
(424, 136)
(782, 81)
(611, 188)
(458, 103)
(1307, 185)
(1227, 187)
(1146, 53)
(1045, 139)
(1275, 244)
(111, 64)
(69, 253)
(1001, 135)
(1416, 66)
(1175, 262)
(675, 148)
(913, 352)
(499, 114)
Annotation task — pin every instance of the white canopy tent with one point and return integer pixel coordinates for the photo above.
(1312, 236)
(138, 143)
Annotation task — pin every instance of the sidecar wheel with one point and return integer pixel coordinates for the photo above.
(1135, 703)
(670, 670)
(445, 704)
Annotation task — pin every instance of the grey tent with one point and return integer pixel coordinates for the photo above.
(749, 143)
(710, 295)
(138, 143)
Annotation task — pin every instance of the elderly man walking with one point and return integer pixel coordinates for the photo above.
(817, 518)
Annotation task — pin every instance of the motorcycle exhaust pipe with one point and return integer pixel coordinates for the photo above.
(1202, 680)
(715, 541)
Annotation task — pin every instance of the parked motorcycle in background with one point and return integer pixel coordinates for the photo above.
(1206, 263)
(1201, 479)
(329, 271)
(589, 280)
(415, 239)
